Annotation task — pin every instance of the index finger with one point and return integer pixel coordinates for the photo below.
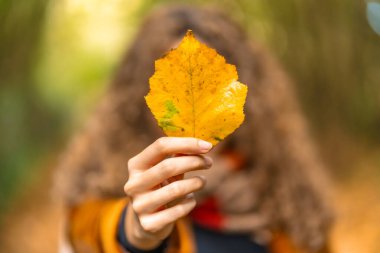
(166, 146)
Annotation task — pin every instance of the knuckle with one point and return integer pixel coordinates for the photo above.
(175, 189)
(188, 208)
(147, 225)
(166, 166)
(131, 163)
(129, 186)
(137, 206)
(193, 202)
(182, 211)
(198, 183)
(160, 144)
(126, 189)
(197, 162)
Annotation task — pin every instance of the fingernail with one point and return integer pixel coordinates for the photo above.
(204, 145)
(208, 161)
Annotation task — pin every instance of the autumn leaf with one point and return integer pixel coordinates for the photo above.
(195, 93)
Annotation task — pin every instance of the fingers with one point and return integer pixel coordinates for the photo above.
(152, 168)
(168, 168)
(151, 201)
(166, 146)
(157, 221)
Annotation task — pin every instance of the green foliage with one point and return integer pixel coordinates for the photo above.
(55, 60)
(22, 129)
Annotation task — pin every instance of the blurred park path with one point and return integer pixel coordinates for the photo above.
(32, 224)
(357, 202)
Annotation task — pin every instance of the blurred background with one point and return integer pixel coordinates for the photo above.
(57, 56)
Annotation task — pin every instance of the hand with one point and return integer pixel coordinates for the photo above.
(154, 209)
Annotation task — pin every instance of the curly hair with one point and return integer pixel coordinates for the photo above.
(287, 173)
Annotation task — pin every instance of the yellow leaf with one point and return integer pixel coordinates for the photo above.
(195, 93)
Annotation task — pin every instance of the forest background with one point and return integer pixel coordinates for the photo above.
(57, 56)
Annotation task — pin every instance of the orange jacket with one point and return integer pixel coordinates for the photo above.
(93, 225)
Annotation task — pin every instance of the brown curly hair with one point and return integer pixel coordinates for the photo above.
(287, 174)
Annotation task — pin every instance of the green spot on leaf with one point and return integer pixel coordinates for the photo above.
(171, 110)
(166, 121)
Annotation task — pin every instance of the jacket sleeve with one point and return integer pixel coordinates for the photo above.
(281, 243)
(92, 226)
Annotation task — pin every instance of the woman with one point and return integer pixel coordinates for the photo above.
(264, 182)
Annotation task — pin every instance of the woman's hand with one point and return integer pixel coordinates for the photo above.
(147, 222)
